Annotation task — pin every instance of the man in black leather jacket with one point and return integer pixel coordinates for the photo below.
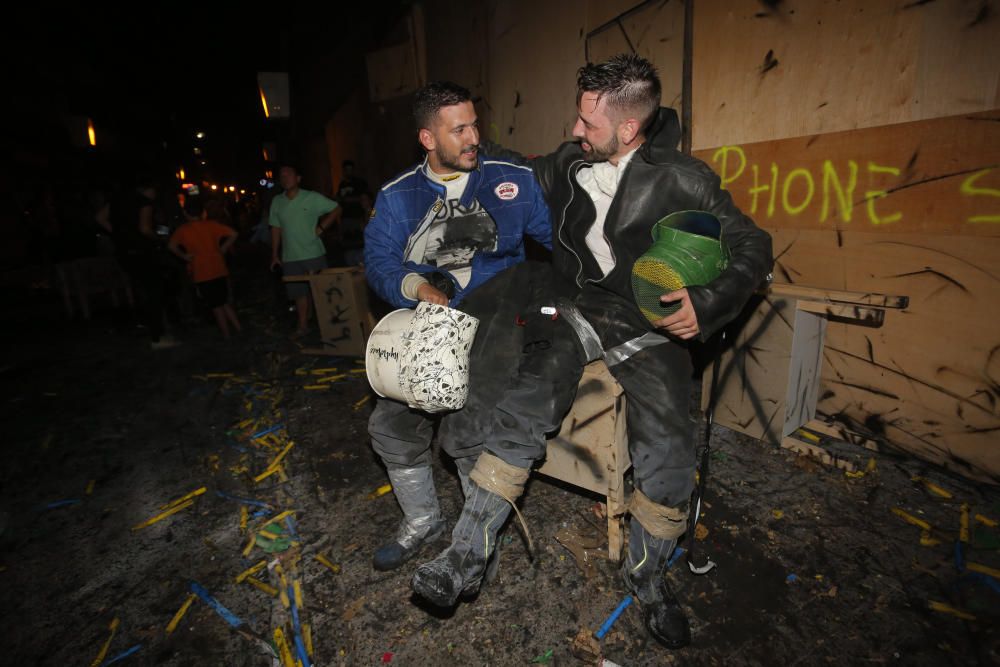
(606, 191)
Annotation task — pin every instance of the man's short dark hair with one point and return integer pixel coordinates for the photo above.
(630, 83)
(290, 165)
(435, 95)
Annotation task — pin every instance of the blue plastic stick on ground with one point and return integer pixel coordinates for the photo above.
(613, 617)
(206, 597)
(121, 656)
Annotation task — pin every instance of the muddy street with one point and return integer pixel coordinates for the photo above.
(102, 435)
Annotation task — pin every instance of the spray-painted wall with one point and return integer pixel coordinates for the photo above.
(808, 91)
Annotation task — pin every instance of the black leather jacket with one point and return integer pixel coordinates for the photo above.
(658, 180)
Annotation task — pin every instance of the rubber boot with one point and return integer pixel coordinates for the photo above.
(460, 568)
(643, 573)
(422, 520)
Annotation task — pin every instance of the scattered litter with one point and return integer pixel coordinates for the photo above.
(172, 625)
(909, 518)
(353, 609)
(250, 571)
(386, 657)
(113, 628)
(357, 406)
(163, 515)
(777, 514)
(121, 656)
(283, 651)
(586, 545)
(90, 487)
(963, 531)
(622, 606)
(61, 503)
(986, 521)
(380, 491)
(983, 569)
(267, 588)
(325, 562)
(585, 647)
(544, 658)
(932, 487)
(316, 387)
(791, 579)
(227, 615)
(948, 609)
(678, 552)
(186, 497)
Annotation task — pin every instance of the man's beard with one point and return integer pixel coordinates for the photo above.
(602, 153)
(451, 161)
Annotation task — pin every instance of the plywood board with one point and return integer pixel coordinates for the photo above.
(766, 71)
(927, 378)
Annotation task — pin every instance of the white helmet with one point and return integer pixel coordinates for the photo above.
(421, 357)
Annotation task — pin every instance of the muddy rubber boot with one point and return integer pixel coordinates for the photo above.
(464, 467)
(422, 521)
(643, 573)
(461, 567)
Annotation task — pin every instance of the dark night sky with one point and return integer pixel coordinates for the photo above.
(149, 75)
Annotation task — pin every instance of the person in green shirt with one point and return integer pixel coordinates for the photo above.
(298, 219)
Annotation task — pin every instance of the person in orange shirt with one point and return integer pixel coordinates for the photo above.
(197, 242)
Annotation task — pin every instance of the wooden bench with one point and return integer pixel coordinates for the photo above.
(591, 449)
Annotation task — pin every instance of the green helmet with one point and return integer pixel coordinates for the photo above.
(687, 250)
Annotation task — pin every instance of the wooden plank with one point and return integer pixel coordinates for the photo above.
(938, 176)
(816, 452)
(755, 66)
(817, 294)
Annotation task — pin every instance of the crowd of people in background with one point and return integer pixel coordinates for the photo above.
(175, 248)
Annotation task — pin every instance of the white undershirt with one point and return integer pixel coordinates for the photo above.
(601, 182)
(455, 186)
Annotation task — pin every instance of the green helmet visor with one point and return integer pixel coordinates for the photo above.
(687, 250)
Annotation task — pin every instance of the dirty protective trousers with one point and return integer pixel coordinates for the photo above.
(656, 381)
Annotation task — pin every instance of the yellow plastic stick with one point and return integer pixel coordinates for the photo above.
(244, 517)
(251, 570)
(380, 491)
(323, 560)
(315, 387)
(264, 475)
(948, 609)
(90, 486)
(163, 515)
(107, 644)
(909, 518)
(963, 531)
(249, 547)
(332, 378)
(279, 517)
(189, 496)
(324, 371)
(172, 625)
(307, 637)
(932, 487)
(986, 521)
(297, 590)
(283, 651)
(267, 588)
(983, 569)
(357, 406)
(279, 457)
(358, 371)
(220, 375)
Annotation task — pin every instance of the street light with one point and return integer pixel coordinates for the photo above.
(91, 135)
(200, 135)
